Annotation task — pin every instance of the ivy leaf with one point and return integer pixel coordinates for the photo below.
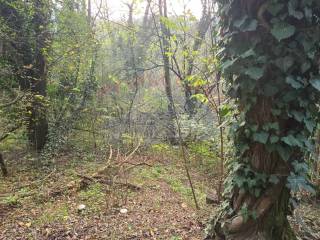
(293, 83)
(282, 30)
(308, 12)
(261, 137)
(228, 64)
(257, 192)
(238, 23)
(284, 153)
(273, 179)
(248, 53)
(276, 112)
(274, 139)
(299, 116)
(254, 72)
(251, 25)
(310, 125)
(245, 24)
(292, 10)
(315, 82)
(300, 168)
(291, 141)
(243, 148)
(296, 183)
(309, 145)
(284, 63)
(305, 66)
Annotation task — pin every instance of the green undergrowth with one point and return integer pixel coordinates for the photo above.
(53, 212)
(175, 177)
(94, 197)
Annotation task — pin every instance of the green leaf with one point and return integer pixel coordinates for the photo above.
(200, 97)
(254, 72)
(276, 112)
(274, 139)
(291, 141)
(315, 82)
(225, 110)
(293, 83)
(251, 25)
(245, 24)
(243, 148)
(305, 66)
(296, 183)
(248, 53)
(271, 125)
(282, 30)
(273, 179)
(238, 23)
(257, 192)
(299, 116)
(284, 63)
(310, 125)
(284, 153)
(228, 64)
(261, 137)
(300, 168)
(292, 5)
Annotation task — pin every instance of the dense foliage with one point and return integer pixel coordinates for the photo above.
(270, 60)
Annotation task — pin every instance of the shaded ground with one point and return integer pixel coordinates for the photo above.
(42, 203)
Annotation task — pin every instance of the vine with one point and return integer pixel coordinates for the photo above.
(270, 61)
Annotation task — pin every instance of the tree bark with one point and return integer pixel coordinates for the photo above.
(38, 124)
(165, 33)
(269, 209)
(3, 166)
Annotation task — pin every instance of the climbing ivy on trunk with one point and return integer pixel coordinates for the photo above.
(270, 61)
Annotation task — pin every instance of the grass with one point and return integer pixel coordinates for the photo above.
(94, 197)
(53, 213)
(11, 200)
(175, 177)
(176, 238)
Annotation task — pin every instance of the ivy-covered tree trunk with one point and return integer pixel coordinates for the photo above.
(270, 60)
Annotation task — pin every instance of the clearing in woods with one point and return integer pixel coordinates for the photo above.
(135, 197)
(153, 189)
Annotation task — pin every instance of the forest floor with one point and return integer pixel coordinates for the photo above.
(140, 197)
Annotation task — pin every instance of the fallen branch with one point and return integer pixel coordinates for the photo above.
(87, 180)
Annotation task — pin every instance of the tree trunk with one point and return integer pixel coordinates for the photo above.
(38, 125)
(257, 203)
(3, 166)
(165, 33)
(271, 208)
(89, 13)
